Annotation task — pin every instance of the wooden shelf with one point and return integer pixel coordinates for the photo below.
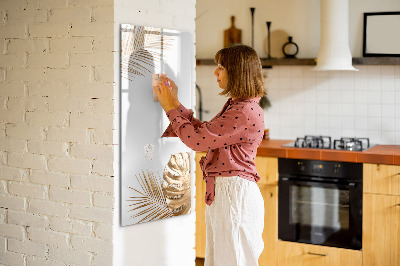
(376, 61)
(312, 61)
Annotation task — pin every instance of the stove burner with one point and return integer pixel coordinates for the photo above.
(351, 144)
(308, 141)
(324, 142)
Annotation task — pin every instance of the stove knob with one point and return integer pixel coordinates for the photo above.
(301, 166)
(336, 169)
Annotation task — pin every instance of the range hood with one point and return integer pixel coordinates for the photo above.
(334, 51)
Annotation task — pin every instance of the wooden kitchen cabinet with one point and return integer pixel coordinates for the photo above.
(270, 233)
(267, 168)
(381, 179)
(298, 254)
(200, 209)
(381, 215)
(381, 230)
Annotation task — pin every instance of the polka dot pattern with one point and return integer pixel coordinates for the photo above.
(231, 139)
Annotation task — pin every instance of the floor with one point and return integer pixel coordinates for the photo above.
(199, 262)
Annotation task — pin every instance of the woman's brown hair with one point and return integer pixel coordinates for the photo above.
(245, 78)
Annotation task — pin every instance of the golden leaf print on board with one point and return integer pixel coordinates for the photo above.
(158, 198)
(176, 185)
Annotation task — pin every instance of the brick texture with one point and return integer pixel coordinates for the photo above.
(56, 124)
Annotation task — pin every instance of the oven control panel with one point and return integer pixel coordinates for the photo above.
(330, 169)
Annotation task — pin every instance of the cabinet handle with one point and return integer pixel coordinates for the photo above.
(318, 254)
(398, 204)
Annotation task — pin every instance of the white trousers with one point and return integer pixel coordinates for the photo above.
(234, 223)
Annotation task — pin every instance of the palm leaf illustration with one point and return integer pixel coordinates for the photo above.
(149, 201)
(142, 50)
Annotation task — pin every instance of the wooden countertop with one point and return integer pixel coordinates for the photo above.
(379, 154)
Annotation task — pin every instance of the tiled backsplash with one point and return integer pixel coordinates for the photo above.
(338, 104)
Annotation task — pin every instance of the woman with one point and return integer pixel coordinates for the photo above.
(235, 207)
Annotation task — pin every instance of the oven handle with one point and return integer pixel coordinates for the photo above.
(297, 181)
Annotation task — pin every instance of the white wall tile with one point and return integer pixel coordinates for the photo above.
(338, 104)
(335, 95)
(388, 124)
(389, 136)
(322, 95)
(347, 109)
(322, 121)
(348, 132)
(388, 97)
(348, 95)
(347, 122)
(397, 122)
(375, 136)
(361, 110)
(388, 84)
(374, 123)
(374, 97)
(374, 83)
(361, 123)
(360, 97)
(374, 110)
(388, 110)
(387, 72)
(322, 109)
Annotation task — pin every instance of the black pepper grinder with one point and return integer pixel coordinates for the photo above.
(290, 49)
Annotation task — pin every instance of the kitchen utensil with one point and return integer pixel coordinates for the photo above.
(232, 35)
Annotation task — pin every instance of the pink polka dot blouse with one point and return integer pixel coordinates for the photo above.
(231, 139)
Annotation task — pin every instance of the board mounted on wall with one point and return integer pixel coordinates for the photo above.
(155, 172)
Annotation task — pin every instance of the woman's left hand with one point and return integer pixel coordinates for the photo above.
(164, 94)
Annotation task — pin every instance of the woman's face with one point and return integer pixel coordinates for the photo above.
(222, 76)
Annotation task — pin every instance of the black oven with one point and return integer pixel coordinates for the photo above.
(320, 202)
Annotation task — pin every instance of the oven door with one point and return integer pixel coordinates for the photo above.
(321, 212)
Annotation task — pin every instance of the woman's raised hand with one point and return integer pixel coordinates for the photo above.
(174, 92)
(164, 94)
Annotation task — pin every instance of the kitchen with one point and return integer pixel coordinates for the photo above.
(338, 104)
(60, 77)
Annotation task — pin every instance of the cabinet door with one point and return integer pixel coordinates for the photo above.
(381, 230)
(267, 168)
(381, 179)
(200, 209)
(297, 254)
(270, 233)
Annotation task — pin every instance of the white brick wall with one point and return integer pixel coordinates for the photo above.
(56, 132)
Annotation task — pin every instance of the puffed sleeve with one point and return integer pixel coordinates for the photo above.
(188, 114)
(225, 130)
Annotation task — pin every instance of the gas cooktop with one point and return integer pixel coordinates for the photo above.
(325, 142)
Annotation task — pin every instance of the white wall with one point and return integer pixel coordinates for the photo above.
(299, 18)
(170, 241)
(338, 104)
(56, 120)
